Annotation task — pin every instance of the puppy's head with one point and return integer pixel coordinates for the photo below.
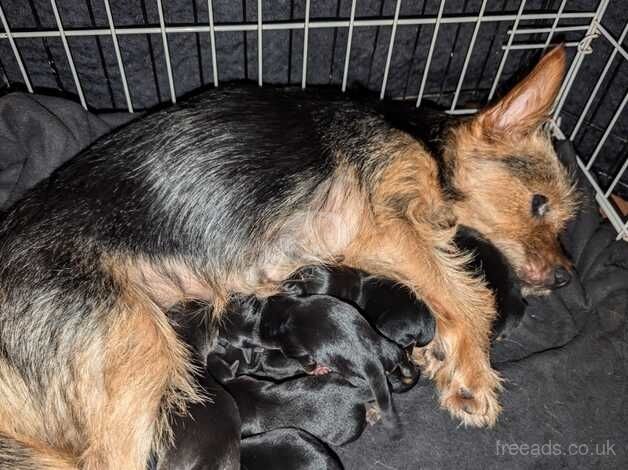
(513, 189)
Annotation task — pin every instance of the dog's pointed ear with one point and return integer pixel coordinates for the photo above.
(527, 106)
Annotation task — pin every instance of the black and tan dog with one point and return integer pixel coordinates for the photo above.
(230, 192)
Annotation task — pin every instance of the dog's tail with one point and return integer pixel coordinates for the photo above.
(381, 392)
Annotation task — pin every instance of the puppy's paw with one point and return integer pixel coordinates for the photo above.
(430, 358)
(471, 398)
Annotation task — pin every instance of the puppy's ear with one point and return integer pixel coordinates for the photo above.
(529, 103)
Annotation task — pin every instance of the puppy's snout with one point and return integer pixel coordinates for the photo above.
(562, 277)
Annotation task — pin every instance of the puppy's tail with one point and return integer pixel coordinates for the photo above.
(383, 397)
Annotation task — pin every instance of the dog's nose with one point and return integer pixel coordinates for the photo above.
(561, 277)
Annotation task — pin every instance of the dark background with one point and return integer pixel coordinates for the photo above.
(143, 55)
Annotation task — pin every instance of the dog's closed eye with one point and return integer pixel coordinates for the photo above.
(540, 205)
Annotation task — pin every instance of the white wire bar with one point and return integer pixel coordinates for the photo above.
(600, 80)
(559, 29)
(552, 31)
(621, 172)
(16, 53)
(164, 39)
(530, 46)
(260, 44)
(428, 61)
(294, 25)
(305, 41)
(345, 72)
(114, 38)
(68, 54)
(212, 40)
(611, 39)
(391, 45)
(468, 57)
(502, 63)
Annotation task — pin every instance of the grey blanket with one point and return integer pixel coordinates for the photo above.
(565, 366)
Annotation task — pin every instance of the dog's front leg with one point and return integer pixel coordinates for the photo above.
(457, 359)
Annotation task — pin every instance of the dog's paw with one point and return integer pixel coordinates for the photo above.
(373, 415)
(474, 402)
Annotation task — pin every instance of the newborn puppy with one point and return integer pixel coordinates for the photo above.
(326, 406)
(500, 278)
(322, 334)
(389, 307)
(208, 437)
(265, 363)
(287, 449)
(397, 313)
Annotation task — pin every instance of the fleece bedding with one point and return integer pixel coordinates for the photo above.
(565, 366)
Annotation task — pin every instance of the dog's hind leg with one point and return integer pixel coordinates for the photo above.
(107, 406)
(22, 455)
(146, 376)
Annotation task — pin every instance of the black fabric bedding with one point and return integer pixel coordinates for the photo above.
(565, 365)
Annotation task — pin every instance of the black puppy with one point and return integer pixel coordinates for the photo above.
(287, 449)
(272, 364)
(323, 334)
(258, 362)
(389, 307)
(500, 277)
(396, 312)
(326, 406)
(208, 437)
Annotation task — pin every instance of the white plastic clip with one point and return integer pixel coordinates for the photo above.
(584, 46)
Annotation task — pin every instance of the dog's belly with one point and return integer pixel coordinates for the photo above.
(320, 234)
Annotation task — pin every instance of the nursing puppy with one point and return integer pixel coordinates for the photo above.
(500, 277)
(326, 406)
(392, 309)
(258, 362)
(208, 436)
(322, 334)
(287, 449)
